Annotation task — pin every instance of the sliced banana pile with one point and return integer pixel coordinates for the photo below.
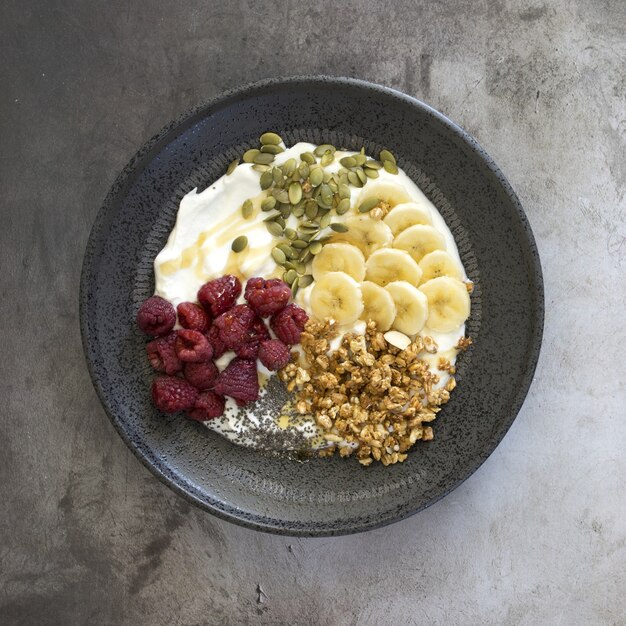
(393, 270)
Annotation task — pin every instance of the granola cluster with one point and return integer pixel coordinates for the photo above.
(369, 398)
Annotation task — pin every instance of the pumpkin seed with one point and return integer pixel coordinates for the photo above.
(260, 168)
(316, 177)
(281, 195)
(277, 175)
(361, 174)
(263, 158)
(270, 138)
(290, 252)
(278, 255)
(325, 220)
(298, 211)
(354, 179)
(266, 180)
(272, 217)
(290, 233)
(239, 244)
(274, 229)
(299, 244)
(368, 205)
(267, 204)
(300, 267)
(327, 177)
(390, 167)
(303, 170)
(315, 248)
(341, 171)
(348, 161)
(231, 167)
(360, 159)
(344, 191)
(305, 280)
(290, 276)
(373, 165)
(326, 194)
(338, 227)
(343, 206)
(323, 148)
(311, 210)
(250, 155)
(385, 155)
(289, 167)
(295, 193)
(285, 210)
(280, 221)
(308, 225)
(306, 257)
(247, 209)
(294, 287)
(343, 179)
(371, 173)
(308, 157)
(307, 236)
(272, 149)
(322, 203)
(288, 265)
(334, 187)
(327, 158)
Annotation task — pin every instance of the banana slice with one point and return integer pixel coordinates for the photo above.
(339, 257)
(419, 240)
(378, 305)
(411, 307)
(391, 193)
(448, 303)
(406, 215)
(439, 263)
(386, 265)
(338, 296)
(366, 234)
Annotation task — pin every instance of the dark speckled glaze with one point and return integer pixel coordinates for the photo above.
(320, 496)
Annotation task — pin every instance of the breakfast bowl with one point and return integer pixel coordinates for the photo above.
(291, 493)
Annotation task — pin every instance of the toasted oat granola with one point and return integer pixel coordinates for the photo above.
(369, 398)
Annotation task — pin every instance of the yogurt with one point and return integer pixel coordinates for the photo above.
(199, 249)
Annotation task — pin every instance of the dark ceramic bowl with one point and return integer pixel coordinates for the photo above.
(321, 496)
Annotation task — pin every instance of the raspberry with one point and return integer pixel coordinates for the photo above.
(171, 394)
(156, 316)
(208, 406)
(219, 295)
(201, 375)
(162, 354)
(234, 325)
(258, 332)
(267, 297)
(192, 346)
(192, 316)
(274, 354)
(239, 380)
(289, 323)
(219, 347)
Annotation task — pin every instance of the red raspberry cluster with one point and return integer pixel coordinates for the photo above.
(190, 381)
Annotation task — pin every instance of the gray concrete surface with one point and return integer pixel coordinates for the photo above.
(536, 536)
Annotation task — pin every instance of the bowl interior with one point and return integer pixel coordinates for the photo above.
(320, 496)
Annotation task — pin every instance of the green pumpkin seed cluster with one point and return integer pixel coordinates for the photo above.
(312, 195)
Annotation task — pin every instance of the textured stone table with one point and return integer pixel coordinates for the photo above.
(536, 536)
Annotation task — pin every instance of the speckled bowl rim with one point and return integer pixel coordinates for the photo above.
(131, 171)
